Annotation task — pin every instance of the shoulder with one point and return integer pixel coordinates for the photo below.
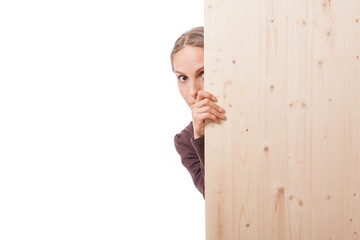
(183, 139)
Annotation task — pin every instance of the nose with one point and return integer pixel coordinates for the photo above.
(195, 87)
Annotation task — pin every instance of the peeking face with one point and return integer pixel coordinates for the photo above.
(188, 64)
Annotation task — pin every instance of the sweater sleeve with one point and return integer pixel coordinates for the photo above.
(198, 145)
(191, 152)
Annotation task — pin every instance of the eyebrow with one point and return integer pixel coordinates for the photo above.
(200, 69)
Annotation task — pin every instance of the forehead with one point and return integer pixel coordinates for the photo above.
(188, 59)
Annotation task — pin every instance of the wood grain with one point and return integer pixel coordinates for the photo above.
(286, 162)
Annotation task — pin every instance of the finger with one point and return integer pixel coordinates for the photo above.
(208, 109)
(207, 115)
(207, 102)
(202, 94)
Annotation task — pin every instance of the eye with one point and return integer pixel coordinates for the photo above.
(201, 75)
(182, 78)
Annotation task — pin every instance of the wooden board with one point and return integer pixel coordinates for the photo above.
(286, 162)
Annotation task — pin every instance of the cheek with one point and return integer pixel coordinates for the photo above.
(183, 90)
(202, 84)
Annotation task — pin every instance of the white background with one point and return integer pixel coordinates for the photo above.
(89, 108)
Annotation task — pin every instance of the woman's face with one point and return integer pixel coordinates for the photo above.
(188, 64)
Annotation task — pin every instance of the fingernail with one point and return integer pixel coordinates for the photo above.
(220, 109)
(213, 98)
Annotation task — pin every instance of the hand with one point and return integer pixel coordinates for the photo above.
(205, 108)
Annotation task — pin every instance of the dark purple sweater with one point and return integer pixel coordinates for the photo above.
(191, 152)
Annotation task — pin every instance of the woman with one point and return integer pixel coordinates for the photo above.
(187, 60)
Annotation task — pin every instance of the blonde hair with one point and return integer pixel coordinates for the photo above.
(194, 37)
